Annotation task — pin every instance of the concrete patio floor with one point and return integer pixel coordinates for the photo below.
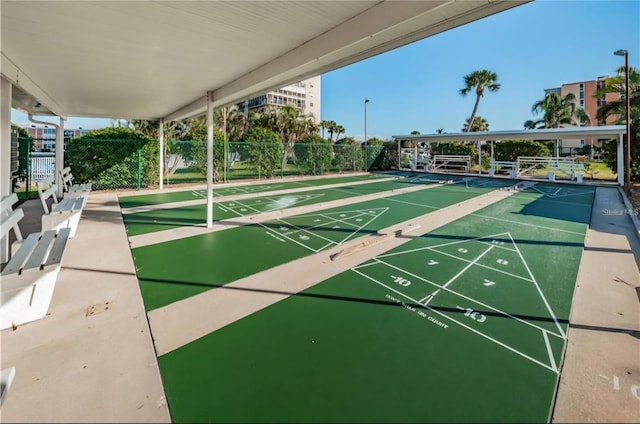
(92, 359)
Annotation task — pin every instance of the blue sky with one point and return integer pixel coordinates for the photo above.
(538, 45)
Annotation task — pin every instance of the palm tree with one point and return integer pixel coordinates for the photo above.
(339, 129)
(331, 129)
(479, 81)
(617, 107)
(557, 111)
(479, 124)
(324, 125)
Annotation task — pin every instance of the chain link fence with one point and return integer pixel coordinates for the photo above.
(134, 164)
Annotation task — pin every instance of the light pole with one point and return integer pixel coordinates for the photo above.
(627, 181)
(365, 121)
(366, 155)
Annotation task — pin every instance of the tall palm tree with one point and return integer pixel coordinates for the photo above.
(331, 129)
(479, 124)
(324, 125)
(479, 81)
(339, 129)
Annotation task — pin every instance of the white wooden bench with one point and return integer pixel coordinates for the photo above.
(28, 279)
(73, 190)
(63, 213)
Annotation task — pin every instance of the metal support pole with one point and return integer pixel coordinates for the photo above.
(209, 159)
(479, 157)
(59, 158)
(5, 153)
(161, 137)
(620, 161)
(628, 111)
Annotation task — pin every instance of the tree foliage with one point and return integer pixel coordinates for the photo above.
(115, 157)
(479, 82)
(264, 150)
(314, 154)
(509, 150)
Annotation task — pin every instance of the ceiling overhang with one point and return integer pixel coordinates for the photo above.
(159, 59)
(609, 131)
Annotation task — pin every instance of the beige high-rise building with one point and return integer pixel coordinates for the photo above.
(304, 95)
(584, 92)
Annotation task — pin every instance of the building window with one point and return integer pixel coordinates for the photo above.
(582, 142)
(311, 104)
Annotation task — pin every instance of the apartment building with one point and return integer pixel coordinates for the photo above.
(44, 136)
(584, 92)
(304, 96)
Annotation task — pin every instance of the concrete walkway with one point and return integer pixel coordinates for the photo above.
(92, 358)
(600, 380)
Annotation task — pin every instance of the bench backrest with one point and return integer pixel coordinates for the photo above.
(67, 178)
(10, 217)
(49, 192)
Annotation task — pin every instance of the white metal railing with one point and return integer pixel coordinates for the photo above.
(448, 162)
(41, 166)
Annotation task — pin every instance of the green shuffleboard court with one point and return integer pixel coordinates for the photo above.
(464, 324)
(166, 219)
(222, 190)
(177, 269)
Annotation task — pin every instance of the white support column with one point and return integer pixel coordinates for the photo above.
(620, 160)
(399, 156)
(59, 159)
(493, 169)
(5, 154)
(479, 157)
(209, 159)
(5, 138)
(161, 137)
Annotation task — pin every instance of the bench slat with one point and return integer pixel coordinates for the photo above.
(69, 204)
(39, 255)
(12, 222)
(8, 202)
(15, 263)
(55, 255)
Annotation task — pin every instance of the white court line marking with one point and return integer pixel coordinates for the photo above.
(364, 225)
(444, 244)
(478, 239)
(330, 242)
(528, 225)
(486, 267)
(299, 199)
(357, 230)
(552, 361)
(289, 238)
(459, 323)
(411, 203)
(471, 299)
(455, 277)
(300, 229)
(331, 221)
(199, 194)
(544, 299)
(233, 209)
(569, 194)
